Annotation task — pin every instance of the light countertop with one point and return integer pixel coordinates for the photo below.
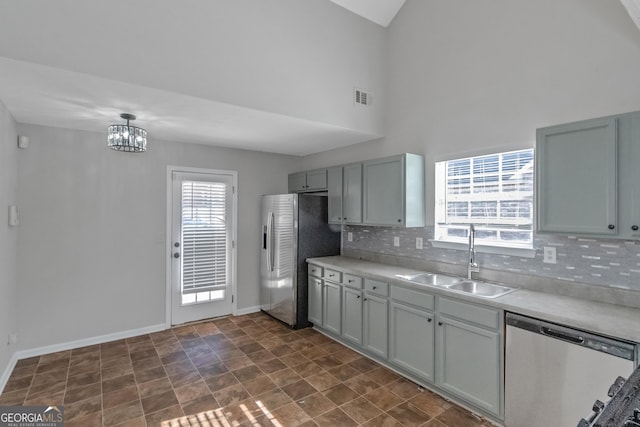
(607, 319)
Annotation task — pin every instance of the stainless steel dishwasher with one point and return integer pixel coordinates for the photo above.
(552, 372)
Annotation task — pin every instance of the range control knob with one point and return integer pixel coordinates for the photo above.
(617, 385)
(598, 406)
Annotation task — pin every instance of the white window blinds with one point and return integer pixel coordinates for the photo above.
(494, 192)
(204, 236)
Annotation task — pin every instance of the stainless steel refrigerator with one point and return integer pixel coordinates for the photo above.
(294, 228)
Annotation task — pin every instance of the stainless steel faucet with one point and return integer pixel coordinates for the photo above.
(472, 266)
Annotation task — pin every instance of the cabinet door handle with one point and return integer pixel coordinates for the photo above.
(634, 227)
(429, 320)
(439, 323)
(611, 226)
(399, 220)
(365, 299)
(375, 287)
(358, 296)
(350, 281)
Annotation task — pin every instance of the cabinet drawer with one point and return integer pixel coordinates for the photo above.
(352, 281)
(483, 316)
(375, 287)
(415, 298)
(333, 275)
(315, 270)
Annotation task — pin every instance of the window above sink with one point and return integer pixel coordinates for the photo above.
(495, 193)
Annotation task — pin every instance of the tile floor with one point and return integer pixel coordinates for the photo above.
(236, 371)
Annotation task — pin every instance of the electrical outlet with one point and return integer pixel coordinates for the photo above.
(418, 242)
(349, 236)
(396, 241)
(549, 255)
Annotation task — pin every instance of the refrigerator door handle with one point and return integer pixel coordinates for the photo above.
(268, 241)
(272, 249)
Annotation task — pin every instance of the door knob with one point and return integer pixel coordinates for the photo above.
(634, 227)
(176, 255)
(611, 226)
(176, 244)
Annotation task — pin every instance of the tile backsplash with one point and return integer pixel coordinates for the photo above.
(602, 262)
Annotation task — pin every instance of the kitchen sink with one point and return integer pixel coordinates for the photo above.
(430, 279)
(481, 289)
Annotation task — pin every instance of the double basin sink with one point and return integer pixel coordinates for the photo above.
(471, 287)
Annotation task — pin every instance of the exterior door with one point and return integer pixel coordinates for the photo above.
(202, 246)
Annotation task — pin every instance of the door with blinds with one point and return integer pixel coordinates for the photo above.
(201, 246)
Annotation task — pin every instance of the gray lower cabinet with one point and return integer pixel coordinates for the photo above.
(352, 315)
(332, 307)
(376, 320)
(315, 300)
(412, 340)
(468, 363)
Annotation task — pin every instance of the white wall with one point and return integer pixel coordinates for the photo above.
(292, 57)
(8, 236)
(89, 259)
(468, 77)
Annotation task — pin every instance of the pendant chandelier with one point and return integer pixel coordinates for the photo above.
(127, 138)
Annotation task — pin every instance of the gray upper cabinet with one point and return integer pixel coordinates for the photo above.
(334, 191)
(587, 175)
(393, 191)
(576, 177)
(352, 194)
(315, 180)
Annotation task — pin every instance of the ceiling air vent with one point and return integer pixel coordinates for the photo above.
(362, 97)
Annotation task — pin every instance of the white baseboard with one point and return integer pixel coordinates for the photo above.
(39, 351)
(7, 372)
(247, 310)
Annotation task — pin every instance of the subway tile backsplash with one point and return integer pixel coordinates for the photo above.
(602, 262)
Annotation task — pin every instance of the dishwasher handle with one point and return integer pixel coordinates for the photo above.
(613, 346)
(574, 338)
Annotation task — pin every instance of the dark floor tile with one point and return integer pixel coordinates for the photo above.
(383, 398)
(158, 386)
(83, 408)
(28, 362)
(404, 388)
(384, 420)
(118, 383)
(120, 397)
(430, 403)
(81, 393)
(83, 379)
(273, 399)
(213, 370)
(247, 374)
(344, 372)
(221, 381)
(285, 377)
(231, 395)
(91, 420)
(363, 364)
(179, 380)
(340, 394)
(322, 381)
(13, 398)
(19, 384)
(361, 384)
(334, 418)
(259, 385)
(316, 404)
(163, 417)
(122, 413)
(291, 415)
(410, 415)
(299, 389)
(192, 391)
(176, 356)
(270, 366)
(360, 410)
(203, 403)
(159, 401)
(458, 417)
(150, 375)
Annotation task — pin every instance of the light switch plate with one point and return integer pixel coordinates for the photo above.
(396, 241)
(549, 256)
(419, 243)
(349, 236)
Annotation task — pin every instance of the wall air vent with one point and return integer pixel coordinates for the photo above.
(362, 97)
